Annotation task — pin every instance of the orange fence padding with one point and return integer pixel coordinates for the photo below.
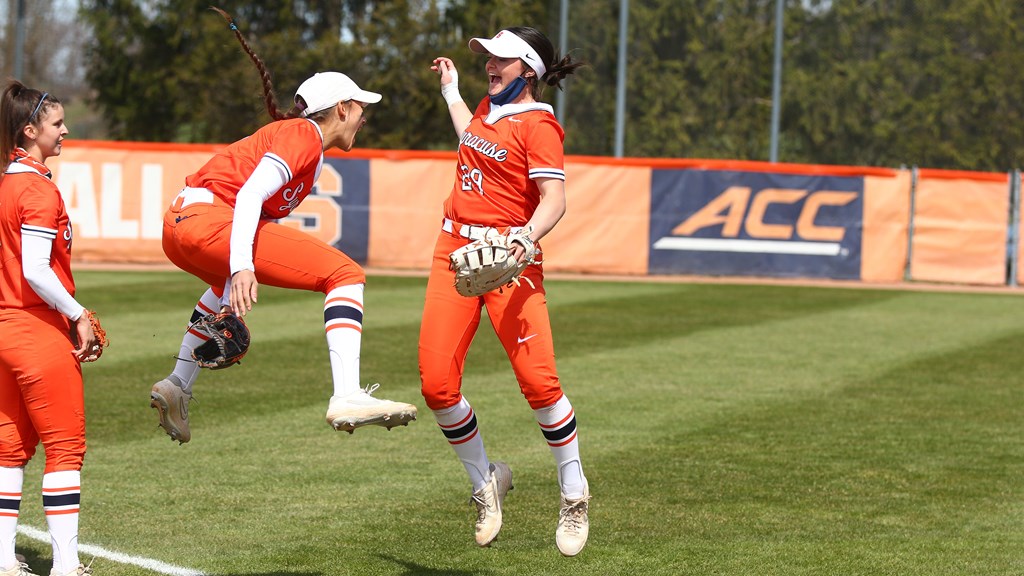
(886, 210)
(116, 196)
(960, 229)
(390, 202)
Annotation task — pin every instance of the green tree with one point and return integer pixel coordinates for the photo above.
(133, 67)
(698, 78)
(926, 82)
(51, 58)
(916, 82)
(172, 71)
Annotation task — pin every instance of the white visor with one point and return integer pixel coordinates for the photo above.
(325, 89)
(505, 44)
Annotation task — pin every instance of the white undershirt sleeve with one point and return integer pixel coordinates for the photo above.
(268, 177)
(35, 266)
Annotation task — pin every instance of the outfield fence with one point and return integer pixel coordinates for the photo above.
(625, 216)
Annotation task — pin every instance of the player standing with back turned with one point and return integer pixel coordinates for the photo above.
(509, 177)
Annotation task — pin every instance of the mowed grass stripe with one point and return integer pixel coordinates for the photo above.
(915, 471)
(777, 401)
(287, 327)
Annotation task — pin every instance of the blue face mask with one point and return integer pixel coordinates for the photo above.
(509, 93)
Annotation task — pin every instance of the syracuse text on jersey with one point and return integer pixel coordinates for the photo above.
(485, 147)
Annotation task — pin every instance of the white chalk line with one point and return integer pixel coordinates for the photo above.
(86, 550)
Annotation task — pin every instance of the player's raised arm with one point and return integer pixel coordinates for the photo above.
(457, 108)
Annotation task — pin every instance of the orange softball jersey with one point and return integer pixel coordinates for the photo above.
(30, 203)
(500, 155)
(296, 145)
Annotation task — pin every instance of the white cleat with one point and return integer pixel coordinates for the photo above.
(19, 569)
(573, 524)
(82, 570)
(489, 501)
(346, 413)
(172, 404)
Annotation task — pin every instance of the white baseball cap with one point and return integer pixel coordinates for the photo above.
(505, 44)
(325, 89)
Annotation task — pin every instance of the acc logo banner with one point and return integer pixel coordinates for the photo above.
(337, 211)
(755, 224)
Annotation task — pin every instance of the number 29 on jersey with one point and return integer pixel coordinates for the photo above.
(472, 179)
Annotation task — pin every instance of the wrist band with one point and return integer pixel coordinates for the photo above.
(450, 92)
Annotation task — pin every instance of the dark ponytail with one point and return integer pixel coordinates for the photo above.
(557, 68)
(269, 97)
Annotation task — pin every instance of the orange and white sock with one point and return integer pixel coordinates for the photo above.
(558, 423)
(62, 494)
(186, 370)
(458, 424)
(11, 480)
(343, 324)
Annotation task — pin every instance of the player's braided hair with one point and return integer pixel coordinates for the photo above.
(557, 68)
(269, 97)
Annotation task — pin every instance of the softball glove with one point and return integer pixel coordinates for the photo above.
(227, 340)
(488, 264)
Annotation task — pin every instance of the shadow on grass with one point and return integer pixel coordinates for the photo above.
(413, 569)
(35, 560)
(275, 574)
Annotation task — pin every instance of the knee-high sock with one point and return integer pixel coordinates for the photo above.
(61, 496)
(185, 370)
(458, 423)
(558, 423)
(343, 323)
(11, 480)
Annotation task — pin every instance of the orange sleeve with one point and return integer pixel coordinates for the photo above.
(545, 156)
(298, 144)
(40, 206)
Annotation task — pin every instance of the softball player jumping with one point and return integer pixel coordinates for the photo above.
(41, 395)
(220, 229)
(509, 176)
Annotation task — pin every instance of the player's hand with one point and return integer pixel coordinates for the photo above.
(244, 288)
(518, 252)
(88, 342)
(446, 69)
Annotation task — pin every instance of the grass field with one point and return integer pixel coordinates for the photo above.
(725, 430)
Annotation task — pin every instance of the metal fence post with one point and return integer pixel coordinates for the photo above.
(1013, 242)
(773, 147)
(19, 42)
(563, 47)
(620, 87)
(908, 274)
